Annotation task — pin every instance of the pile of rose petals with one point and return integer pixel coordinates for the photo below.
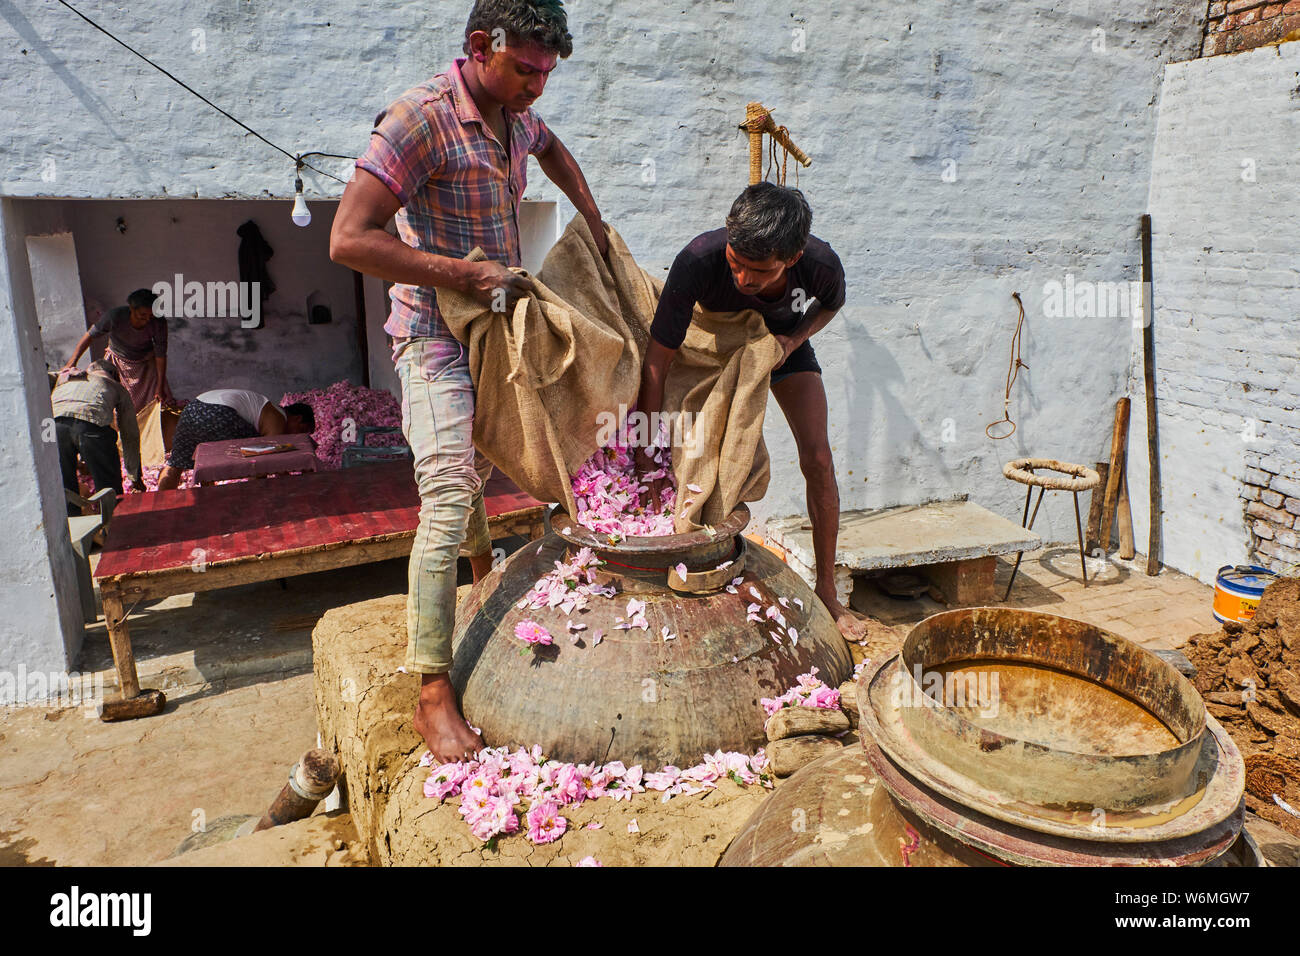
(611, 499)
(570, 586)
(809, 692)
(503, 792)
(341, 403)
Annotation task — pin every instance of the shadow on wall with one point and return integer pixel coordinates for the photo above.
(33, 42)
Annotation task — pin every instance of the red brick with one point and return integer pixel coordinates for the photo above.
(1218, 8)
(1214, 45)
(1272, 10)
(1235, 5)
(1292, 7)
(1249, 16)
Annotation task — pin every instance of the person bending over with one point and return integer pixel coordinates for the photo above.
(137, 348)
(765, 259)
(225, 414)
(83, 405)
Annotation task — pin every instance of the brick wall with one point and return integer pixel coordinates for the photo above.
(1271, 491)
(1236, 25)
(1227, 295)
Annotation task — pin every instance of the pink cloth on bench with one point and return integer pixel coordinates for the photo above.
(221, 460)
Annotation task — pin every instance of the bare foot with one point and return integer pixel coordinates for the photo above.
(439, 721)
(851, 625)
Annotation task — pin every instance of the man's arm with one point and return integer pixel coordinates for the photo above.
(814, 320)
(83, 343)
(650, 400)
(562, 169)
(654, 372)
(164, 393)
(671, 322)
(359, 241)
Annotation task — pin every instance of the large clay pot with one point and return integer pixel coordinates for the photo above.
(634, 696)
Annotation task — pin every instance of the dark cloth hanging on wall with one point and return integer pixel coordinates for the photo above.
(254, 251)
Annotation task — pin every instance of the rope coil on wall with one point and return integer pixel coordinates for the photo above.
(1013, 370)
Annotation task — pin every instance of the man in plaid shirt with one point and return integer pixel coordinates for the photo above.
(449, 160)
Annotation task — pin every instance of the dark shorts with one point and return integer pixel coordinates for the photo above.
(201, 422)
(802, 359)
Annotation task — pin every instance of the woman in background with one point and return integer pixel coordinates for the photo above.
(137, 348)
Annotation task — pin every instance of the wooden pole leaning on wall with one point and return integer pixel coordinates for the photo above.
(1149, 375)
(1118, 445)
(757, 122)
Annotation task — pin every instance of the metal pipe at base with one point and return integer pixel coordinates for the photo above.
(311, 781)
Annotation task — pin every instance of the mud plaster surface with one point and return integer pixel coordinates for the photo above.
(75, 791)
(1249, 675)
(357, 651)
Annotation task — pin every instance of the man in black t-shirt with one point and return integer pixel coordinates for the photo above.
(765, 259)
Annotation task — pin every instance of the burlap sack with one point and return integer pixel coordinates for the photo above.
(719, 382)
(549, 375)
(156, 427)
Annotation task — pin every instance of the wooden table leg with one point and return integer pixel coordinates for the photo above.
(119, 636)
(133, 702)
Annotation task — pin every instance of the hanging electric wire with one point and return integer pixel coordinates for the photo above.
(297, 158)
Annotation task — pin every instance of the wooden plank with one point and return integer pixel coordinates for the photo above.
(252, 570)
(1127, 546)
(161, 530)
(1094, 508)
(119, 638)
(1149, 377)
(1118, 442)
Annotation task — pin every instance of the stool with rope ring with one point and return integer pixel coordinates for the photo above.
(1066, 477)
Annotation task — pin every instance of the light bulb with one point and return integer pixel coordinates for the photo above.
(301, 214)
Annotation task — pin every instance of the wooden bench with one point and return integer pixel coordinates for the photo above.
(953, 543)
(201, 539)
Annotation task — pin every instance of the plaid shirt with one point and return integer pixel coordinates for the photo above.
(94, 398)
(457, 185)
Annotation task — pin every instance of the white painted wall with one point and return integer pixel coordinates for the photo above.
(1046, 110)
(40, 612)
(56, 285)
(1226, 261)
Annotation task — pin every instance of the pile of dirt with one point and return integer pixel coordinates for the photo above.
(1249, 675)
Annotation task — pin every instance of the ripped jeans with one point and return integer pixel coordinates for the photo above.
(438, 422)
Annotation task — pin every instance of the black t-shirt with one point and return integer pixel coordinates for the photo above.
(700, 274)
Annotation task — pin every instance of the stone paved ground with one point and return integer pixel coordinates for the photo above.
(1158, 612)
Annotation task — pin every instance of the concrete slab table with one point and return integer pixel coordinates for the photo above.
(954, 543)
(201, 539)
